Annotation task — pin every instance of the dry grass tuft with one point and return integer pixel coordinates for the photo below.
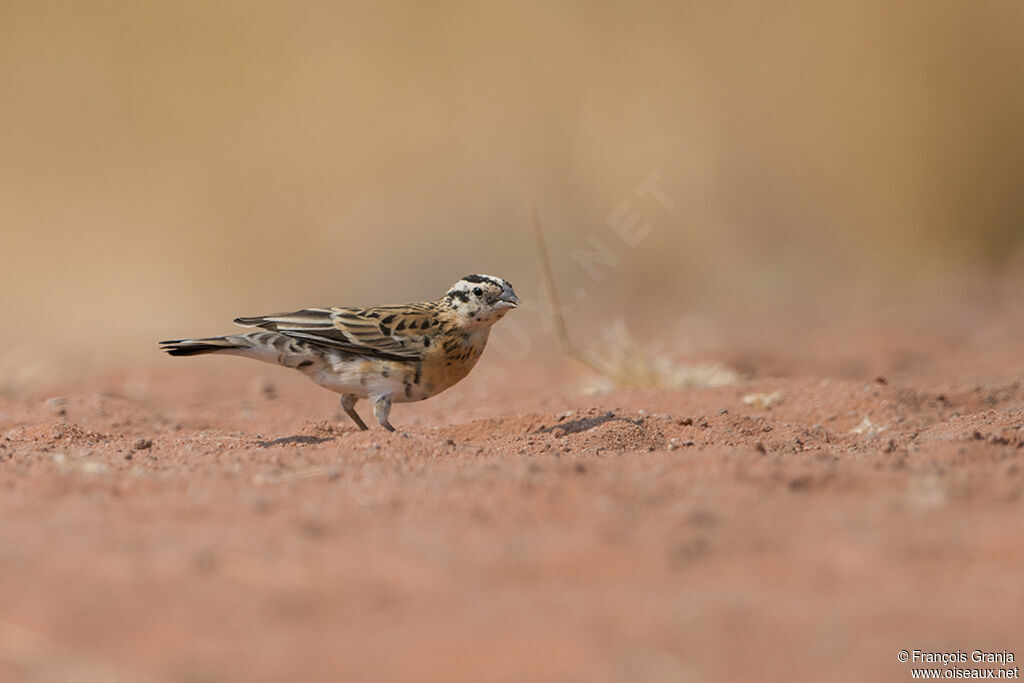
(762, 400)
(624, 363)
(620, 360)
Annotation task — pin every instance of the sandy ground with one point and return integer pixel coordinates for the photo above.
(211, 519)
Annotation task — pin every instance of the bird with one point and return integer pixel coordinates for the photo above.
(386, 354)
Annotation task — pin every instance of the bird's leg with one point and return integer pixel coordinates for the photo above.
(348, 402)
(381, 410)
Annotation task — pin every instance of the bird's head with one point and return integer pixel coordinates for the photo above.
(481, 299)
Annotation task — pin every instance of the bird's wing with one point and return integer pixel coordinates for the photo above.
(400, 333)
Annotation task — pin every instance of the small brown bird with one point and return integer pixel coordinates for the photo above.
(388, 354)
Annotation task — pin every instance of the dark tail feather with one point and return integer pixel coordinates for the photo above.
(194, 347)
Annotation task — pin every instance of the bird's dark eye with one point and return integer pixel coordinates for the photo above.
(477, 291)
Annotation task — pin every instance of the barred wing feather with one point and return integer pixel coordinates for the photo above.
(387, 332)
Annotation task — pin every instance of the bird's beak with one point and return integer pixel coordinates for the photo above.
(508, 299)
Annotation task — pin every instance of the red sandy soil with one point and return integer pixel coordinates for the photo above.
(188, 522)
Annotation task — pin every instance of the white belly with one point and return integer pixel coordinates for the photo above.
(358, 384)
(373, 378)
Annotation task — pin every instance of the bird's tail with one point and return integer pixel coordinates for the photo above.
(234, 343)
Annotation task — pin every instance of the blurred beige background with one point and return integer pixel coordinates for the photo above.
(165, 166)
